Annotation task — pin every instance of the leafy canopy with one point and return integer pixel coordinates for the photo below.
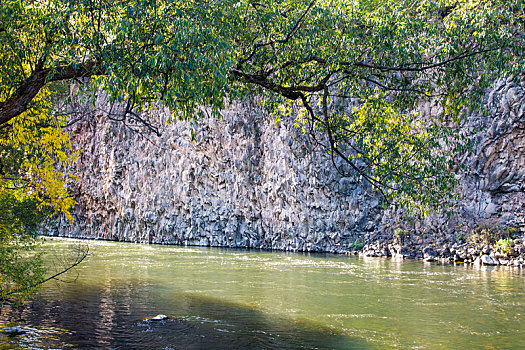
(350, 72)
(358, 71)
(20, 268)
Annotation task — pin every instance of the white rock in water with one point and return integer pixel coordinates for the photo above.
(159, 317)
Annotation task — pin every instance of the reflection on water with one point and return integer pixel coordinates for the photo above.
(256, 300)
(96, 318)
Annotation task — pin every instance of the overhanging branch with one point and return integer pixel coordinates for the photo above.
(19, 101)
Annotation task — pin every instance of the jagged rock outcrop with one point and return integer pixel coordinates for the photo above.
(248, 181)
(494, 183)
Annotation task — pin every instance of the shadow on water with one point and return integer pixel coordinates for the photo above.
(98, 318)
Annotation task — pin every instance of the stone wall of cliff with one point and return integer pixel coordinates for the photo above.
(248, 181)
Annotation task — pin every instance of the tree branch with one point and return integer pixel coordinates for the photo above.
(395, 89)
(81, 256)
(291, 92)
(418, 69)
(278, 41)
(19, 101)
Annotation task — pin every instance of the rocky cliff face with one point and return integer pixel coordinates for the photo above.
(494, 183)
(248, 181)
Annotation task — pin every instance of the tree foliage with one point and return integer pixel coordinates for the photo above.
(353, 70)
(20, 268)
(33, 149)
(358, 71)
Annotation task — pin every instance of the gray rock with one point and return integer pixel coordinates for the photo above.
(429, 254)
(407, 253)
(13, 331)
(503, 261)
(445, 253)
(459, 258)
(250, 182)
(159, 317)
(487, 260)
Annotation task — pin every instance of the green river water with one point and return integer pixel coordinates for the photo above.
(239, 299)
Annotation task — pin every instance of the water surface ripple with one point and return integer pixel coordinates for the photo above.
(227, 299)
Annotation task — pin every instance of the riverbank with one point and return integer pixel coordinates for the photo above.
(505, 251)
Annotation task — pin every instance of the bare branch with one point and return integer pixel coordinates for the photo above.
(419, 69)
(81, 256)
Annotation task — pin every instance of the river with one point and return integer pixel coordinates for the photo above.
(230, 299)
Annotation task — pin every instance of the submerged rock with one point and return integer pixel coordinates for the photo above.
(159, 317)
(13, 331)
